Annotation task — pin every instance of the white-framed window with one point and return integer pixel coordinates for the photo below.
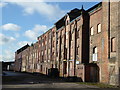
(49, 51)
(99, 28)
(66, 35)
(42, 44)
(91, 31)
(95, 50)
(94, 54)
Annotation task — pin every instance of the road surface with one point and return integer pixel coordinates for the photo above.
(26, 80)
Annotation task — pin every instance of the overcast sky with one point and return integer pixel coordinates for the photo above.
(23, 22)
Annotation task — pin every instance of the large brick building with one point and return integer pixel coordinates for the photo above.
(83, 43)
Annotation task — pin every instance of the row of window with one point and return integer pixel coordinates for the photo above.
(98, 29)
(113, 48)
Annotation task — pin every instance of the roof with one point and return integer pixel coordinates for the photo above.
(23, 48)
(46, 32)
(94, 7)
(72, 14)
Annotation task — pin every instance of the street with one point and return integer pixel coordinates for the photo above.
(27, 80)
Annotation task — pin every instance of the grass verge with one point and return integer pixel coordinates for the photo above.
(100, 85)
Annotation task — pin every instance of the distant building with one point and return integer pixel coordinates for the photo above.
(19, 58)
(7, 66)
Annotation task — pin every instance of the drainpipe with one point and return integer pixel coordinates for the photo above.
(69, 52)
(59, 53)
(109, 48)
(75, 50)
(109, 29)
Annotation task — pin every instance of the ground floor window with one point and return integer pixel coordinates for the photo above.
(94, 54)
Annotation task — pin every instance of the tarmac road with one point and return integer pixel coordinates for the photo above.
(26, 80)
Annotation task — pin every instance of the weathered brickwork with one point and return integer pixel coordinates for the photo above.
(114, 33)
(83, 43)
(20, 58)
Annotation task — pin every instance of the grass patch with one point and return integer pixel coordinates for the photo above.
(101, 85)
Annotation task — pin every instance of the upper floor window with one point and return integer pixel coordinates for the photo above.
(67, 22)
(72, 36)
(99, 28)
(53, 43)
(50, 35)
(45, 38)
(66, 35)
(42, 52)
(77, 34)
(53, 34)
(56, 34)
(57, 54)
(113, 44)
(91, 30)
(42, 44)
(77, 51)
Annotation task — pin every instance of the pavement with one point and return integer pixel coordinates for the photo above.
(27, 80)
(11, 73)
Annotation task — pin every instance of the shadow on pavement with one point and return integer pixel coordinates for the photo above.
(34, 78)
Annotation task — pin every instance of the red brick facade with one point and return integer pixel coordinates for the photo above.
(78, 45)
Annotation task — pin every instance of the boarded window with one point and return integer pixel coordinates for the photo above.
(98, 28)
(72, 36)
(53, 43)
(67, 22)
(53, 34)
(35, 66)
(92, 31)
(65, 67)
(57, 42)
(41, 68)
(77, 34)
(113, 44)
(77, 50)
(65, 55)
(57, 54)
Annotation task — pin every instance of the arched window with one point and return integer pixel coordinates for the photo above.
(99, 28)
(91, 30)
(67, 22)
(94, 54)
(67, 35)
(95, 50)
(113, 44)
